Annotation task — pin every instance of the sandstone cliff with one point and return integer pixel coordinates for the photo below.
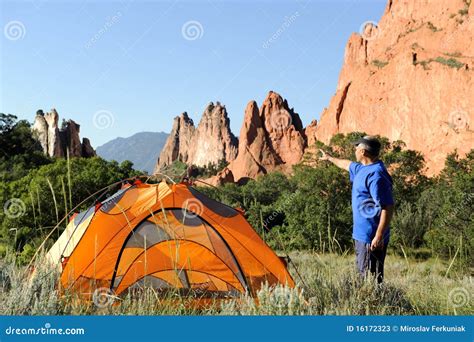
(178, 142)
(213, 140)
(57, 142)
(271, 138)
(209, 142)
(409, 78)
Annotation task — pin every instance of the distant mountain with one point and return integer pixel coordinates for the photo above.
(142, 149)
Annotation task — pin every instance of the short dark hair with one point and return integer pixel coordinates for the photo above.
(369, 144)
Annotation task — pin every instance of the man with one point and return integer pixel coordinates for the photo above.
(372, 204)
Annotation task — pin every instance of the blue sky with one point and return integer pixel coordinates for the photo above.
(121, 67)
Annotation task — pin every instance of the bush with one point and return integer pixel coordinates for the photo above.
(451, 62)
(308, 210)
(453, 229)
(413, 220)
(320, 209)
(311, 209)
(38, 201)
(379, 64)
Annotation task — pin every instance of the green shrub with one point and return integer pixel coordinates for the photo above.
(46, 196)
(451, 62)
(412, 221)
(379, 64)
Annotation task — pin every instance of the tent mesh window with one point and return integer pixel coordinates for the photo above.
(174, 249)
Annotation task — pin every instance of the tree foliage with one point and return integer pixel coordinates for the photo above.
(36, 191)
(309, 209)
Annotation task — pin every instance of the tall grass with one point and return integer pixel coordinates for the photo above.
(332, 287)
(326, 284)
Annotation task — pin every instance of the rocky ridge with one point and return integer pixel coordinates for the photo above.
(60, 141)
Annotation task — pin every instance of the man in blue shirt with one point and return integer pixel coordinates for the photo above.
(372, 204)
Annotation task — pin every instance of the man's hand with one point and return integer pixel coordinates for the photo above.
(341, 163)
(385, 218)
(324, 155)
(377, 242)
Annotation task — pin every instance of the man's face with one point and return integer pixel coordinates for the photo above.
(359, 153)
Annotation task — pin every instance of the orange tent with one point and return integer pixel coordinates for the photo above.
(169, 237)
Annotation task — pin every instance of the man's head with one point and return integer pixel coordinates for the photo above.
(367, 149)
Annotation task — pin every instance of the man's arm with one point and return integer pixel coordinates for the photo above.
(341, 163)
(385, 218)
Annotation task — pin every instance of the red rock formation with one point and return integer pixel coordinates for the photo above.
(224, 176)
(178, 142)
(270, 139)
(69, 137)
(87, 150)
(310, 132)
(408, 78)
(40, 131)
(411, 79)
(210, 142)
(213, 140)
(46, 126)
(59, 142)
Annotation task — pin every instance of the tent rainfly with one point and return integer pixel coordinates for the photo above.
(169, 237)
